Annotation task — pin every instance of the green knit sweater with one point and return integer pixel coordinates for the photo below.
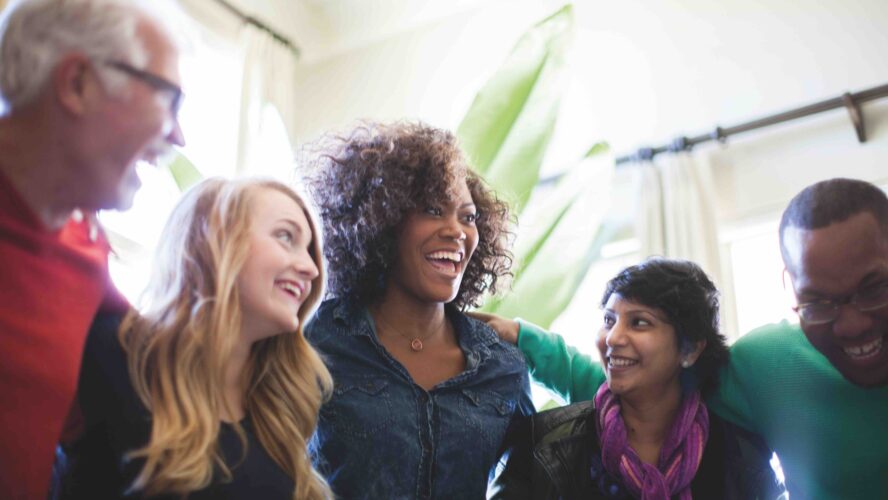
(831, 435)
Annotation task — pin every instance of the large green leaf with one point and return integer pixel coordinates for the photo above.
(507, 129)
(184, 172)
(505, 134)
(545, 216)
(559, 240)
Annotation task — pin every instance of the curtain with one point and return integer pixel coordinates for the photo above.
(267, 105)
(677, 217)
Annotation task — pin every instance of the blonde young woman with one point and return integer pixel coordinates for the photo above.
(212, 391)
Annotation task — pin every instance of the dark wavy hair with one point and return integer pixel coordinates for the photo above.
(689, 300)
(367, 181)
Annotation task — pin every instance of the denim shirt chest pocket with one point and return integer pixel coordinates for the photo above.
(360, 406)
(486, 413)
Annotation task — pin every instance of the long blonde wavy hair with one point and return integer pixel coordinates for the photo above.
(179, 345)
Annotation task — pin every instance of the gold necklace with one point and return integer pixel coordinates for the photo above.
(415, 341)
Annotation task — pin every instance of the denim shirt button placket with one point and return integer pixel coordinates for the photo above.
(478, 406)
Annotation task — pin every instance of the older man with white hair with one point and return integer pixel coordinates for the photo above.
(89, 89)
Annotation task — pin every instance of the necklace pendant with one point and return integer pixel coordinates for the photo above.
(416, 345)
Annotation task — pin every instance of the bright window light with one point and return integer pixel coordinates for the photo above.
(757, 269)
(211, 75)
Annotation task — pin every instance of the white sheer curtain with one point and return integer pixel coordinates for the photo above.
(267, 107)
(677, 217)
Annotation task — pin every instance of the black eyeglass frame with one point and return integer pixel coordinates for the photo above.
(156, 82)
(831, 306)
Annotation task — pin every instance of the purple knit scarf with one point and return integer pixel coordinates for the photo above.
(679, 457)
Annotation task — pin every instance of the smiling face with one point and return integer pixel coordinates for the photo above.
(278, 273)
(138, 125)
(832, 263)
(434, 248)
(639, 349)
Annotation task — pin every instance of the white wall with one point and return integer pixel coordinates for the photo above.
(431, 72)
(757, 174)
(643, 73)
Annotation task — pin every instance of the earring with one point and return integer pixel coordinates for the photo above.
(685, 364)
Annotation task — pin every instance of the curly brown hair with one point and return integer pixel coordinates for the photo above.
(367, 181)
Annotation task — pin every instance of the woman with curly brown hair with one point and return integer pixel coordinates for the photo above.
(423, 394)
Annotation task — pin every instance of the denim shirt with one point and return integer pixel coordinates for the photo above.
(382, 436)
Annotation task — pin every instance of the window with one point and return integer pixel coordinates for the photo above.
(211, 74)
(757, 274)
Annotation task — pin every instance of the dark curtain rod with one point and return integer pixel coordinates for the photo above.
(246, 18)
(847, 100)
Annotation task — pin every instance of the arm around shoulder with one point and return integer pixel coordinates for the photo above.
(743, 381)
(562, 368)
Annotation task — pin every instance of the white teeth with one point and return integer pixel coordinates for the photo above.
(622, 362)
(865, 350)
(453, 256)
(292, 289)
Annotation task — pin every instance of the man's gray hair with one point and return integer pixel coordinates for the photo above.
(36, 34)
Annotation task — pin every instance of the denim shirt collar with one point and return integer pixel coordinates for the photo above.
(474, 337)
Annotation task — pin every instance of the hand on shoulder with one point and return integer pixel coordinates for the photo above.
(506, 329)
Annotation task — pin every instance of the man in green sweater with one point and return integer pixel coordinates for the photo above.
(818, 392)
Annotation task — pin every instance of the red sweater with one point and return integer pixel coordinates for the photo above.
(51, 285)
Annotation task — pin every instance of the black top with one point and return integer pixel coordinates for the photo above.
(115, 422)
(556, 454)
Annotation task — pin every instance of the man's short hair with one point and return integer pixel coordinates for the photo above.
(36, 34)
(831, 201)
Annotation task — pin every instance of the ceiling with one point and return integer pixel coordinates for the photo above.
(323, 28)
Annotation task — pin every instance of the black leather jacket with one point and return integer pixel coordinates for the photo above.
(556, 454)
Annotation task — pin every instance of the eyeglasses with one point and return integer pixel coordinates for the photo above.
(826, 311)
(154, 81)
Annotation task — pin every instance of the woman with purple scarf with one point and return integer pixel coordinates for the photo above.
(647, 433)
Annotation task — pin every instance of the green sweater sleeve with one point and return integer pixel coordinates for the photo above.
(731, 398)
(746, 382)
(750, 384)
(558, 366)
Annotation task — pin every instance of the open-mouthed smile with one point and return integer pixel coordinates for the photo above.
(865, 351)
(620, 362)
(292, 288)
(448, 262)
